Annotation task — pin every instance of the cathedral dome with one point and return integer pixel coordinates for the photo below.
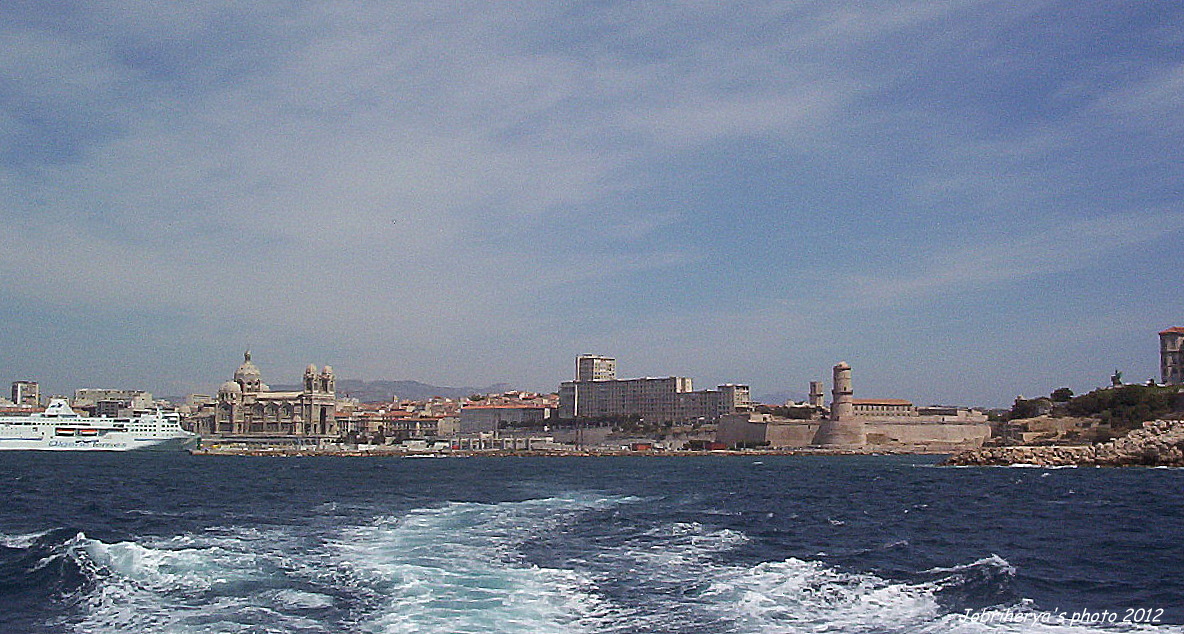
(230, 387)
(311, 369)
(328, 371)
(247, 372)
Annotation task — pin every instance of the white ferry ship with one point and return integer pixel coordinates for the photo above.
(60, 428)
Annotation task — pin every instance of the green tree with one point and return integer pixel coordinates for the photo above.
(1061, 395)
(1125, 407)
(1028, 408)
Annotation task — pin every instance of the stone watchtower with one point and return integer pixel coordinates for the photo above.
(817, 397)
(842, 407)
(844, 430)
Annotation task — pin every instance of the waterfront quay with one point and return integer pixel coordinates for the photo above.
(391, 452)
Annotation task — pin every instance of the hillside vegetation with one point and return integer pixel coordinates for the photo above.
(1123, 408)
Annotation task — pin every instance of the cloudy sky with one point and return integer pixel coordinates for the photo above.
(964, 200)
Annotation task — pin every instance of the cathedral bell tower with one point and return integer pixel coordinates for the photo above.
(310, 378)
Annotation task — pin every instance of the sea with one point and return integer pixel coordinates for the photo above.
(140, 542)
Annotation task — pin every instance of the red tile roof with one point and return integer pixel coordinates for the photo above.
(504, 407)
(1174, 330)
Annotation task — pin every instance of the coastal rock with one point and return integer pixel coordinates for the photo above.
(1159, 443)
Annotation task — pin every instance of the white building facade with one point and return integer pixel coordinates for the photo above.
(1171, 359)
(669, 399)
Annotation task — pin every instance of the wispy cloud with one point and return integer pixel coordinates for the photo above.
(419, 184)
(983, 263)
(1156, 102)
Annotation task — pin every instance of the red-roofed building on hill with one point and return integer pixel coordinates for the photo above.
(1171, 359)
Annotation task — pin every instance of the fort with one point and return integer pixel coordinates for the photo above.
(860, 425)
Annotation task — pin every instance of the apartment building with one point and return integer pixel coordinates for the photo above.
(597, 392)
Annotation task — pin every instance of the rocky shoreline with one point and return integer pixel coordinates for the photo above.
(1159, 443)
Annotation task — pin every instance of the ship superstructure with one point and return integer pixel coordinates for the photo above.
(60, 428)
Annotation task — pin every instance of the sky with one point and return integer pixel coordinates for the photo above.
(966, 201)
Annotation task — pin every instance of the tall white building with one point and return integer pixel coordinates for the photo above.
(26, 393)
(593, 367)
(1171, 358)
(735, 397)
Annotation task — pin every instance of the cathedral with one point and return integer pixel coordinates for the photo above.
(247, 407)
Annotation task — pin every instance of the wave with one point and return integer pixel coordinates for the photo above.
(192, 583)
(460, 568)
(477, 567)
(21, 540)
(794, 596)
(35, 567)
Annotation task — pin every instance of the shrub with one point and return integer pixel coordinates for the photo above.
(1061, 395)
(1027, 408)
(1125, 407)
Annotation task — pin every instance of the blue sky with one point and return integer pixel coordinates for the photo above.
(964, 200)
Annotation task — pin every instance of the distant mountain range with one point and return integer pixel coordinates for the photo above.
(384, 391)
(777, 398)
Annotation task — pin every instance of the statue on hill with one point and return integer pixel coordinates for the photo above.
(1116, 379)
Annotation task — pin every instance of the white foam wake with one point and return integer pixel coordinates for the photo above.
(459, 568)
(219, 582)
(795, 596)
(467, 567)
(21, 541)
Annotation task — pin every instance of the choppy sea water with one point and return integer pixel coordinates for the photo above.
(178, 543)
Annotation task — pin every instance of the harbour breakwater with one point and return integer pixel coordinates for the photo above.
(1159, 443)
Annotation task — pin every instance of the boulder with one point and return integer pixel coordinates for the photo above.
(1158, 443)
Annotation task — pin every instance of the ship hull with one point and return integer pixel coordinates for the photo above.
(60, 428)
(107, 442)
